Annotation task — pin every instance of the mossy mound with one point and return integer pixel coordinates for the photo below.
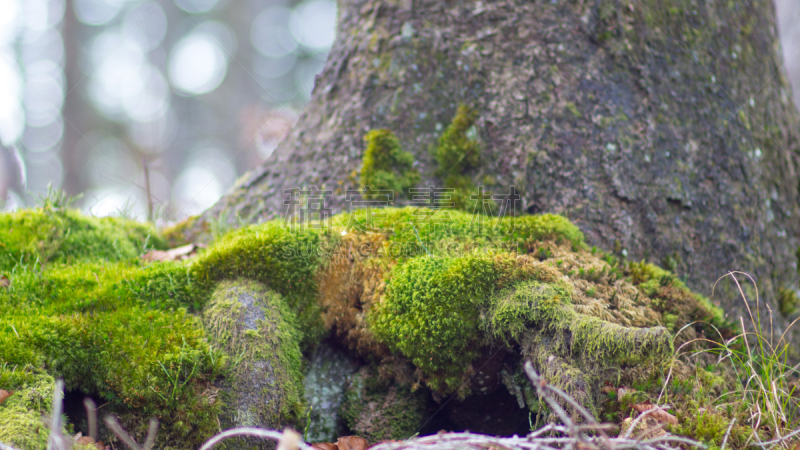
(431, 289)
(82, 305)
(440, 289)
(50, 235)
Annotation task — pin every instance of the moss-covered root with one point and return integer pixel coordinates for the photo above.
(22, 415)
(560, 373)
(263, 386)
(574, 351)
(379, 410)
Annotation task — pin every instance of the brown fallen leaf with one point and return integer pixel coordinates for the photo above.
(325, 446)
(660, 415)
(174, 254)
(4, 395)
(4, 281)
(352, 443)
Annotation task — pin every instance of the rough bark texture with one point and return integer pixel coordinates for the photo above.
(664, 129)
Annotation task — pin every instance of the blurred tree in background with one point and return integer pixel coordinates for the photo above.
(96, 93)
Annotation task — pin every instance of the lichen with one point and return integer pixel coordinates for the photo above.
(386, 166)
(329, 372)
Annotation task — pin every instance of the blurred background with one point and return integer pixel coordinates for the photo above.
(101, 96)
(152, 109)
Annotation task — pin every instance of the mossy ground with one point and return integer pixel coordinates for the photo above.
(425, 288)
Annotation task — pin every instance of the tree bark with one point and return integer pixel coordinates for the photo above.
(664, 129)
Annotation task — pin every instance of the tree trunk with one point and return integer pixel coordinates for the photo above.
(664, 129)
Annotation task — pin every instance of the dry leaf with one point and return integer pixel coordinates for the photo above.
(4, 281)
(175, 254)
(4, 395)
(325, 446)
(660, 415)
(352, 443)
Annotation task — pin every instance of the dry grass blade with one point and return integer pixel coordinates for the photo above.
(91, 415)
(150, 440)
(123, 435)
(56, 440)
(249, 432)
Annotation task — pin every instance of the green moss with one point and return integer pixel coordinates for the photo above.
(115, 326)
(386, 166)
(106, 322)
(513, 309)
(414, 231)
(21, 415)
(709, 426)
(435, 308)
(175, 235)
(41, 236)
(459, 152)
(588, 338)
(273, 254)
(652, 280)
(431, 313)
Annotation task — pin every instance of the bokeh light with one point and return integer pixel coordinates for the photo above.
(197, 64)
(95, 97)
